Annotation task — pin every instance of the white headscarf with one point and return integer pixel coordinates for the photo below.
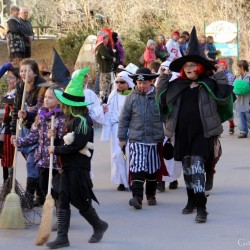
(125, 76)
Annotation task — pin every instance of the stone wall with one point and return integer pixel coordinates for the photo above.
(41, 50)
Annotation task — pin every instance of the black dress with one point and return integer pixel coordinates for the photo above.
(189, 135)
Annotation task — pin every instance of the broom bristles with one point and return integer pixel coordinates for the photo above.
(45, 228)
(12, 216)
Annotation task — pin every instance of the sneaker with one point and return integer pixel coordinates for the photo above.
(134, 202)
(242, 136)
(173, 185)
(231, 130)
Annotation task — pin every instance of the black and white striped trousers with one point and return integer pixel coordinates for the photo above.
(143, 158)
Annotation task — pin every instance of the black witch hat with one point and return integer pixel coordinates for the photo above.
(194, 54)
(60, 75)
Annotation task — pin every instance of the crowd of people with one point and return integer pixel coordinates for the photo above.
(167, 112)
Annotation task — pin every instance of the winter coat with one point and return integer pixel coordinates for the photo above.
(211, 50)
(173, 49)
(104, 58)
(161, 52)
(169, 97)
(140, 119)
(28, 31)
(39, 135)
(149, 56)
(31, 101)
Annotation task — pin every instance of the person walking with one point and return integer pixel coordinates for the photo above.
(195, 125)
(140, 123)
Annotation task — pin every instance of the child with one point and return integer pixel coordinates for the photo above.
(8, 149)
(39, 135)
(75, 183)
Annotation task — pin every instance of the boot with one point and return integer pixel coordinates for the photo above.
(136, 202)
(173, 185)
(63, 219)
(209, 181)
(29, 193)
(189, 208)
(161, 186)
(201, 201)
(98, 225)
(40, 197)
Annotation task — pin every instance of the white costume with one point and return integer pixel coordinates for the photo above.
(119, 166)
(173, 49)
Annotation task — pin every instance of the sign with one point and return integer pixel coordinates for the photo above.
(227, 49)
(222, 31)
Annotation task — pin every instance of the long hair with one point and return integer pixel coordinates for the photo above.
(80, 112)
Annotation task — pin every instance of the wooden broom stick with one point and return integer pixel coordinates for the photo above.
(12, 216)
(45, 228)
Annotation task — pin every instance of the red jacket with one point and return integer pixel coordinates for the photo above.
(149, 56)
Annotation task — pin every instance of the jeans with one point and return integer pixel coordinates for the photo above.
(244, 122)
(32, 171)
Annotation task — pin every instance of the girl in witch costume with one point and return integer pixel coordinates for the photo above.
(75, 183)
(192, 105)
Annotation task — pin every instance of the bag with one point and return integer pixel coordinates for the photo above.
(141, 59)
(26, 150)
(168, 150)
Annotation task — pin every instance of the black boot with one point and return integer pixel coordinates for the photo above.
(209, 181)
(63, 218)
(189, 208)
(201, 201)
(161, 186)
(29, 193)
(98, 225)
(40, 196)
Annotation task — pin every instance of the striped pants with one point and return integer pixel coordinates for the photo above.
(144, 163)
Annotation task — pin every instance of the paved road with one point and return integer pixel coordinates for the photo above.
(162, 226)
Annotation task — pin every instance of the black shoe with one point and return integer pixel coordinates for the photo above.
(161, 186)
(201, 216)
(173, 185)
(134, 202)
(231, 130)
(209, 182)
(121, 187)
(188, 209)
(242, 136)
(59, 242)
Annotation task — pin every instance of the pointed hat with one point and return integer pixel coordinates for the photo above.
(60, 74)
(194, 54)
(74, 93)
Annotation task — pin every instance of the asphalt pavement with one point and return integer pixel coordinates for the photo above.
(162, 226)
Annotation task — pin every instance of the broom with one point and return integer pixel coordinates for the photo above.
(11, 215)
(45, 228)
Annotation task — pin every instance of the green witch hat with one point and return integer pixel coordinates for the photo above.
(74, 94)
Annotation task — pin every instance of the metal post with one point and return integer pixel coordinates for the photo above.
(238, 39)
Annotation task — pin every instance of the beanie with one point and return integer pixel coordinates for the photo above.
(150, 42)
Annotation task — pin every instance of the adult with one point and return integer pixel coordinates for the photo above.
(15, 36)
(194, 126)
(105, 59)
(242, 90)
(119, 165)
(140, 123)
(27, 29)
(173, 46)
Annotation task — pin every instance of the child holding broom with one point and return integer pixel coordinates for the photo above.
(75, 183)
(39, 135)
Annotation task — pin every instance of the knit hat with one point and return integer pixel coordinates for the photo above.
(150, 42)
(223, 62)
(74, 94)
(194, 54)
(125, 76)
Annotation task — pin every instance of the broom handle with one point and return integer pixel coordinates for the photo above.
(51, 156)
(15, 159)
